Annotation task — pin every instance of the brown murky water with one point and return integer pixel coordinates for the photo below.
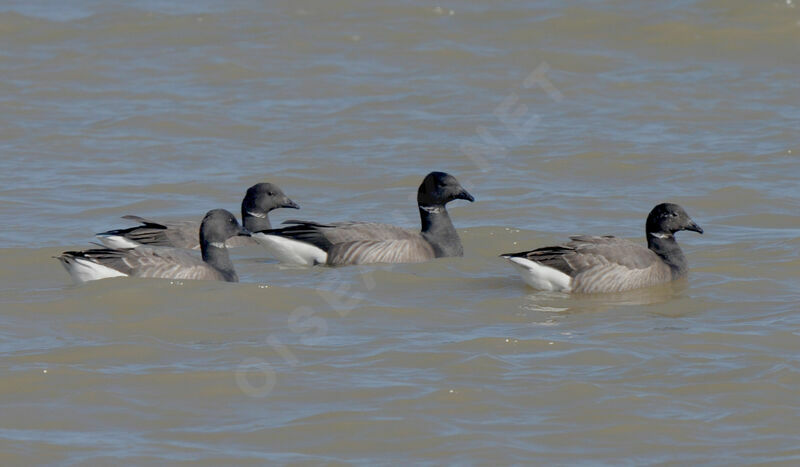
(560, 117)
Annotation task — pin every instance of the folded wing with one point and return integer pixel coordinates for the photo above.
(341, 232)
(170, 234)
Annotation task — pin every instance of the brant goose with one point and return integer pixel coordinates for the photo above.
(590, 264)
(342, 243)
(259, 200)
(162, 262)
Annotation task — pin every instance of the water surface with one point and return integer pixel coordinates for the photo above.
(560, 117)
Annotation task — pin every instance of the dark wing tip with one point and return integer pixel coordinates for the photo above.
(519, 254)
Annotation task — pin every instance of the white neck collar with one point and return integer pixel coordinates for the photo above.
(432, 209)
(660, 235)
(260, 215)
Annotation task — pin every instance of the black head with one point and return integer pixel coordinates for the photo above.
(440, 188)
(262, 198)
(668, 218)
(220, 225)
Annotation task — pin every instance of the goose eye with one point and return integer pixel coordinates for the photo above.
(270, 194)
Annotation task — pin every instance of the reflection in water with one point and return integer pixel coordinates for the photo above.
(579, 303)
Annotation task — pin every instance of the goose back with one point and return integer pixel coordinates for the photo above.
(177, 234)
(325, 235)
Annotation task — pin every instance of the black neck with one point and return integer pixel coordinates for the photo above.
(219, 259)
(665, 246)
(438, 230)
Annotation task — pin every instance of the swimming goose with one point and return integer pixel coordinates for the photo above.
(341, 243)
(590, 264)
(259, 200)
(162, 262)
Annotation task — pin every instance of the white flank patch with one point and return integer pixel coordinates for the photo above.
(83, 270)
(289, 251)
(117, 241)
(541, 277)
(217, 244)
